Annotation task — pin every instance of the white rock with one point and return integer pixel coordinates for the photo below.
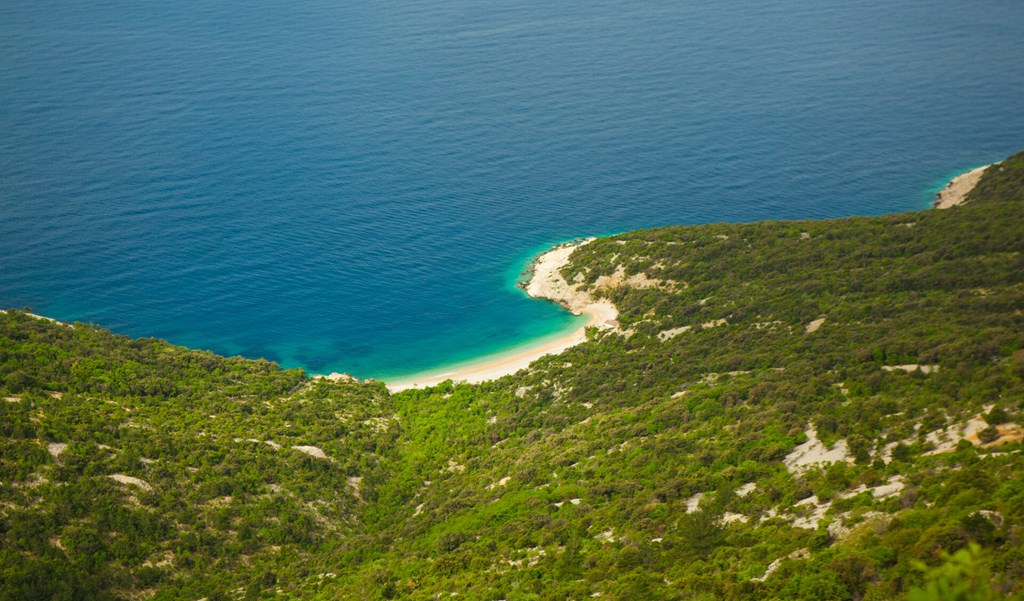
(123, 479)
(311, 451)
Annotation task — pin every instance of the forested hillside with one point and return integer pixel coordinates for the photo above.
(787, 410)
(131, 466)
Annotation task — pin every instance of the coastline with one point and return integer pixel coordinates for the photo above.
(545, 282)
(956, 191)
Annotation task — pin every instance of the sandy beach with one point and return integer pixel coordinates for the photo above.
(545, 283)
(955, 192)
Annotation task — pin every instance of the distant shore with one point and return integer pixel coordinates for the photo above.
(545, 282)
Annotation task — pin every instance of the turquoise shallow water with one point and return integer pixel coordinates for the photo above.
(354, 186)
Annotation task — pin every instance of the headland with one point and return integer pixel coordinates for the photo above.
(545, 281)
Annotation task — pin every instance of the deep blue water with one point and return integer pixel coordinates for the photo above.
(353, 186)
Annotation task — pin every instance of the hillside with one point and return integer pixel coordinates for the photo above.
(787, 410)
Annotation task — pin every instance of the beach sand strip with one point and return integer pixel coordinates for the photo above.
(546, 282)
(956, 191)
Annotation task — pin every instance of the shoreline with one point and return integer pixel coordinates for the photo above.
(956, 191)
(545, 282)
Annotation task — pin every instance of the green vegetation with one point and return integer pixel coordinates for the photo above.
(213, 495)
(961, 578)
(656, 462)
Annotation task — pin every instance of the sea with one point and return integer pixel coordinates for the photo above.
(356, 186)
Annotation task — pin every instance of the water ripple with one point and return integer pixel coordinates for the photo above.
(349, 188)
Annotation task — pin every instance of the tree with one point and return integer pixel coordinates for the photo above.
(961, 578)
